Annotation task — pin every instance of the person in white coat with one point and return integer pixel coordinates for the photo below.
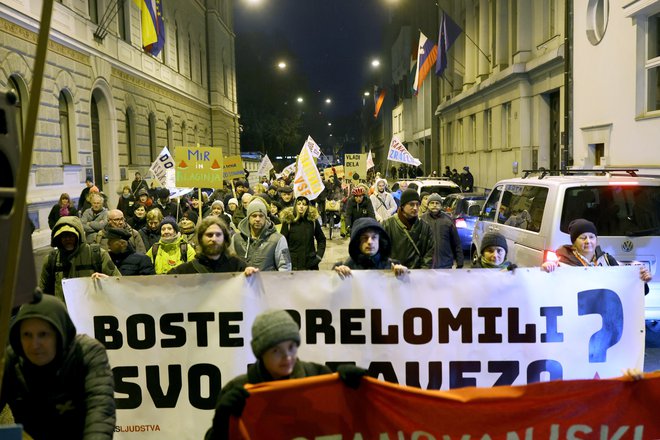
(382, 201)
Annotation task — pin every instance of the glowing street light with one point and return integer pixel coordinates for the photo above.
(329, 124)
(281, 65)
(328, 101)
(366, 93)
(375, 62)
(299, 99)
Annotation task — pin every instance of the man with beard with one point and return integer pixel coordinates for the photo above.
(382, 201)
(127, 260)
(215, 253)
(447, 244)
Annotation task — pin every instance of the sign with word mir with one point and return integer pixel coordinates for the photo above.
(198, 167)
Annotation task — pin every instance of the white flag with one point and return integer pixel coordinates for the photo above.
(399, 153)
(314, 148)
(163, 163)
(289, 169)
(265, 166)
(308, 180)
(370, 161)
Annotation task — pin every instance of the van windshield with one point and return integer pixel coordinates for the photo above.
(614, 209)
(444, 191)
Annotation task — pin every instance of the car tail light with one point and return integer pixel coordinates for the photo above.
(550, 256)
(460, 223)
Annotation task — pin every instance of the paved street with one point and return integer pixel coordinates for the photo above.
(337, 250)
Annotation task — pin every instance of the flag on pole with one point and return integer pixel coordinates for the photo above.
(427, 53)
(379, 97)
(370, 161)
(153, 28)
(163, 171)
(265, 166)
(399, 153)
(449, 32)
(413, 68)
(307, 181)
(313, 147)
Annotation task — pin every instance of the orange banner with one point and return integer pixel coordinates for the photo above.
(323, 407)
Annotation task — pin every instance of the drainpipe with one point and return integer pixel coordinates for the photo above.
(567, 139)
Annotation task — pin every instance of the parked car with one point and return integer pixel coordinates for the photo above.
(533, 214)
(464, 209)
(441, 186)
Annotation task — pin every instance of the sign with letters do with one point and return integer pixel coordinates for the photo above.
(174, 340)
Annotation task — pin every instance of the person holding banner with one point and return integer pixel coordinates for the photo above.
(258, 242)
(58, 384)
(585, 251)
(412, 239)
(215, 253)
(492, 252)
(301, 228)
(369, 248)
(275, 342)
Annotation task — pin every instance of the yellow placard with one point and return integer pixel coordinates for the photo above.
(232, 166)
(327, 173)
(355, 164)
(198, 167)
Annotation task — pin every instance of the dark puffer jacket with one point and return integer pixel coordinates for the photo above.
(301, 236)
(73, 396)
(357, 260)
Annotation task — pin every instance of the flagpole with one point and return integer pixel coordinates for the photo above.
(468, 37)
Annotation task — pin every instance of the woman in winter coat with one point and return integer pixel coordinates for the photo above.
(150, 233)
(63, 208)
(56, 382)
(172, 249)
(301, 228)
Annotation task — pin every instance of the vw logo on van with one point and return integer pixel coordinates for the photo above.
(627, 246)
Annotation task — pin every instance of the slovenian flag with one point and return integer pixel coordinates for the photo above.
(427, 54)
(153, 28)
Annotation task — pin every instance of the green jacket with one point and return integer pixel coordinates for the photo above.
(83, 261)
(414, 256)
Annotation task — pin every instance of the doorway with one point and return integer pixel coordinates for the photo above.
(96, 144)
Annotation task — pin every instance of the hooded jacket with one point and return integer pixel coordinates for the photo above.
(414, 248)
(83, 261)
(447, 243)
(357, 260)
(135, 241)
(71, 397)
(356, 210)
(383, 203)
(168, 255)
(268, 252)
(300, 236)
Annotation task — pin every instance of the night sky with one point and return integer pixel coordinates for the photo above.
(333, 40)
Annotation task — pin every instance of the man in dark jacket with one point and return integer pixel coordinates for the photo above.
(275, 342)
(127, 260)
(467, 180)
(167, 207)
(412, 239)
(72, 257)
(215, 254)
(358, 206)
(57, 383)
(447, 243)
(369, 248)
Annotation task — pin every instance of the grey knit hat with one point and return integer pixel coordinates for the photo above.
(272, 327)
(435, 197)
(257, 205)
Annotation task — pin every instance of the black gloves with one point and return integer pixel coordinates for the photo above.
(233, 401)
(351, 375)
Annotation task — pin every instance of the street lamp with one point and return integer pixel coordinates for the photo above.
(328, 101)
(366, 93)
(329, 124)
(281, 65)
(299, 99)
(375, 62)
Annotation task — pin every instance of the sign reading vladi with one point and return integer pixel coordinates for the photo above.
(198, 167)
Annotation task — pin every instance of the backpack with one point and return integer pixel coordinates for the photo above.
(183, 246)
(54, 256)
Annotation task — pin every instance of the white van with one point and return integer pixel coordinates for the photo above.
(533, 214)
(441, 186)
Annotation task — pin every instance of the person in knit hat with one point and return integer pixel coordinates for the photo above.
(412, 239)
(447, 243)
(171, 249)
(258, 242)
(492, 252)
(275, 342)
(585, 251)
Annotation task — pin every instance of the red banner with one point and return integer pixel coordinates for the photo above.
(323, 407)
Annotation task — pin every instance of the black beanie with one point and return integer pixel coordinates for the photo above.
(579, 226)
(170, 221)
(493, 239)
(409, 195)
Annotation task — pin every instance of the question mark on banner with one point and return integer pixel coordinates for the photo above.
(607, 304)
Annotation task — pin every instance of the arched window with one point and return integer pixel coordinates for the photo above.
(190, 56)
(170, 133)
(196, 134)
(66, 116)
(184, 134)
(123, 21)
(19, 88)
(153, 142)
(130, 137)
(176, 46)
(201, 64)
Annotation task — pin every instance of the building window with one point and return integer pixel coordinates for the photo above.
(153, 142)
(488, 127)
(19, 88)
(461, 146)
(225, 83)
(170, 133)
(176, 48)
(184, 134)
(653, 64)
(552, 18)
(450, 138)
(597, 18)
(190, 57)
(130, 136)
(506, 126)
(473, 128)
(65, 127)
(93, 11)
(123, 20)
(201, 64)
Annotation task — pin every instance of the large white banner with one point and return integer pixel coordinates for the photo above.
(173, 340)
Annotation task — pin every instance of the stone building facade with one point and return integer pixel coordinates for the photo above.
(107, 107)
